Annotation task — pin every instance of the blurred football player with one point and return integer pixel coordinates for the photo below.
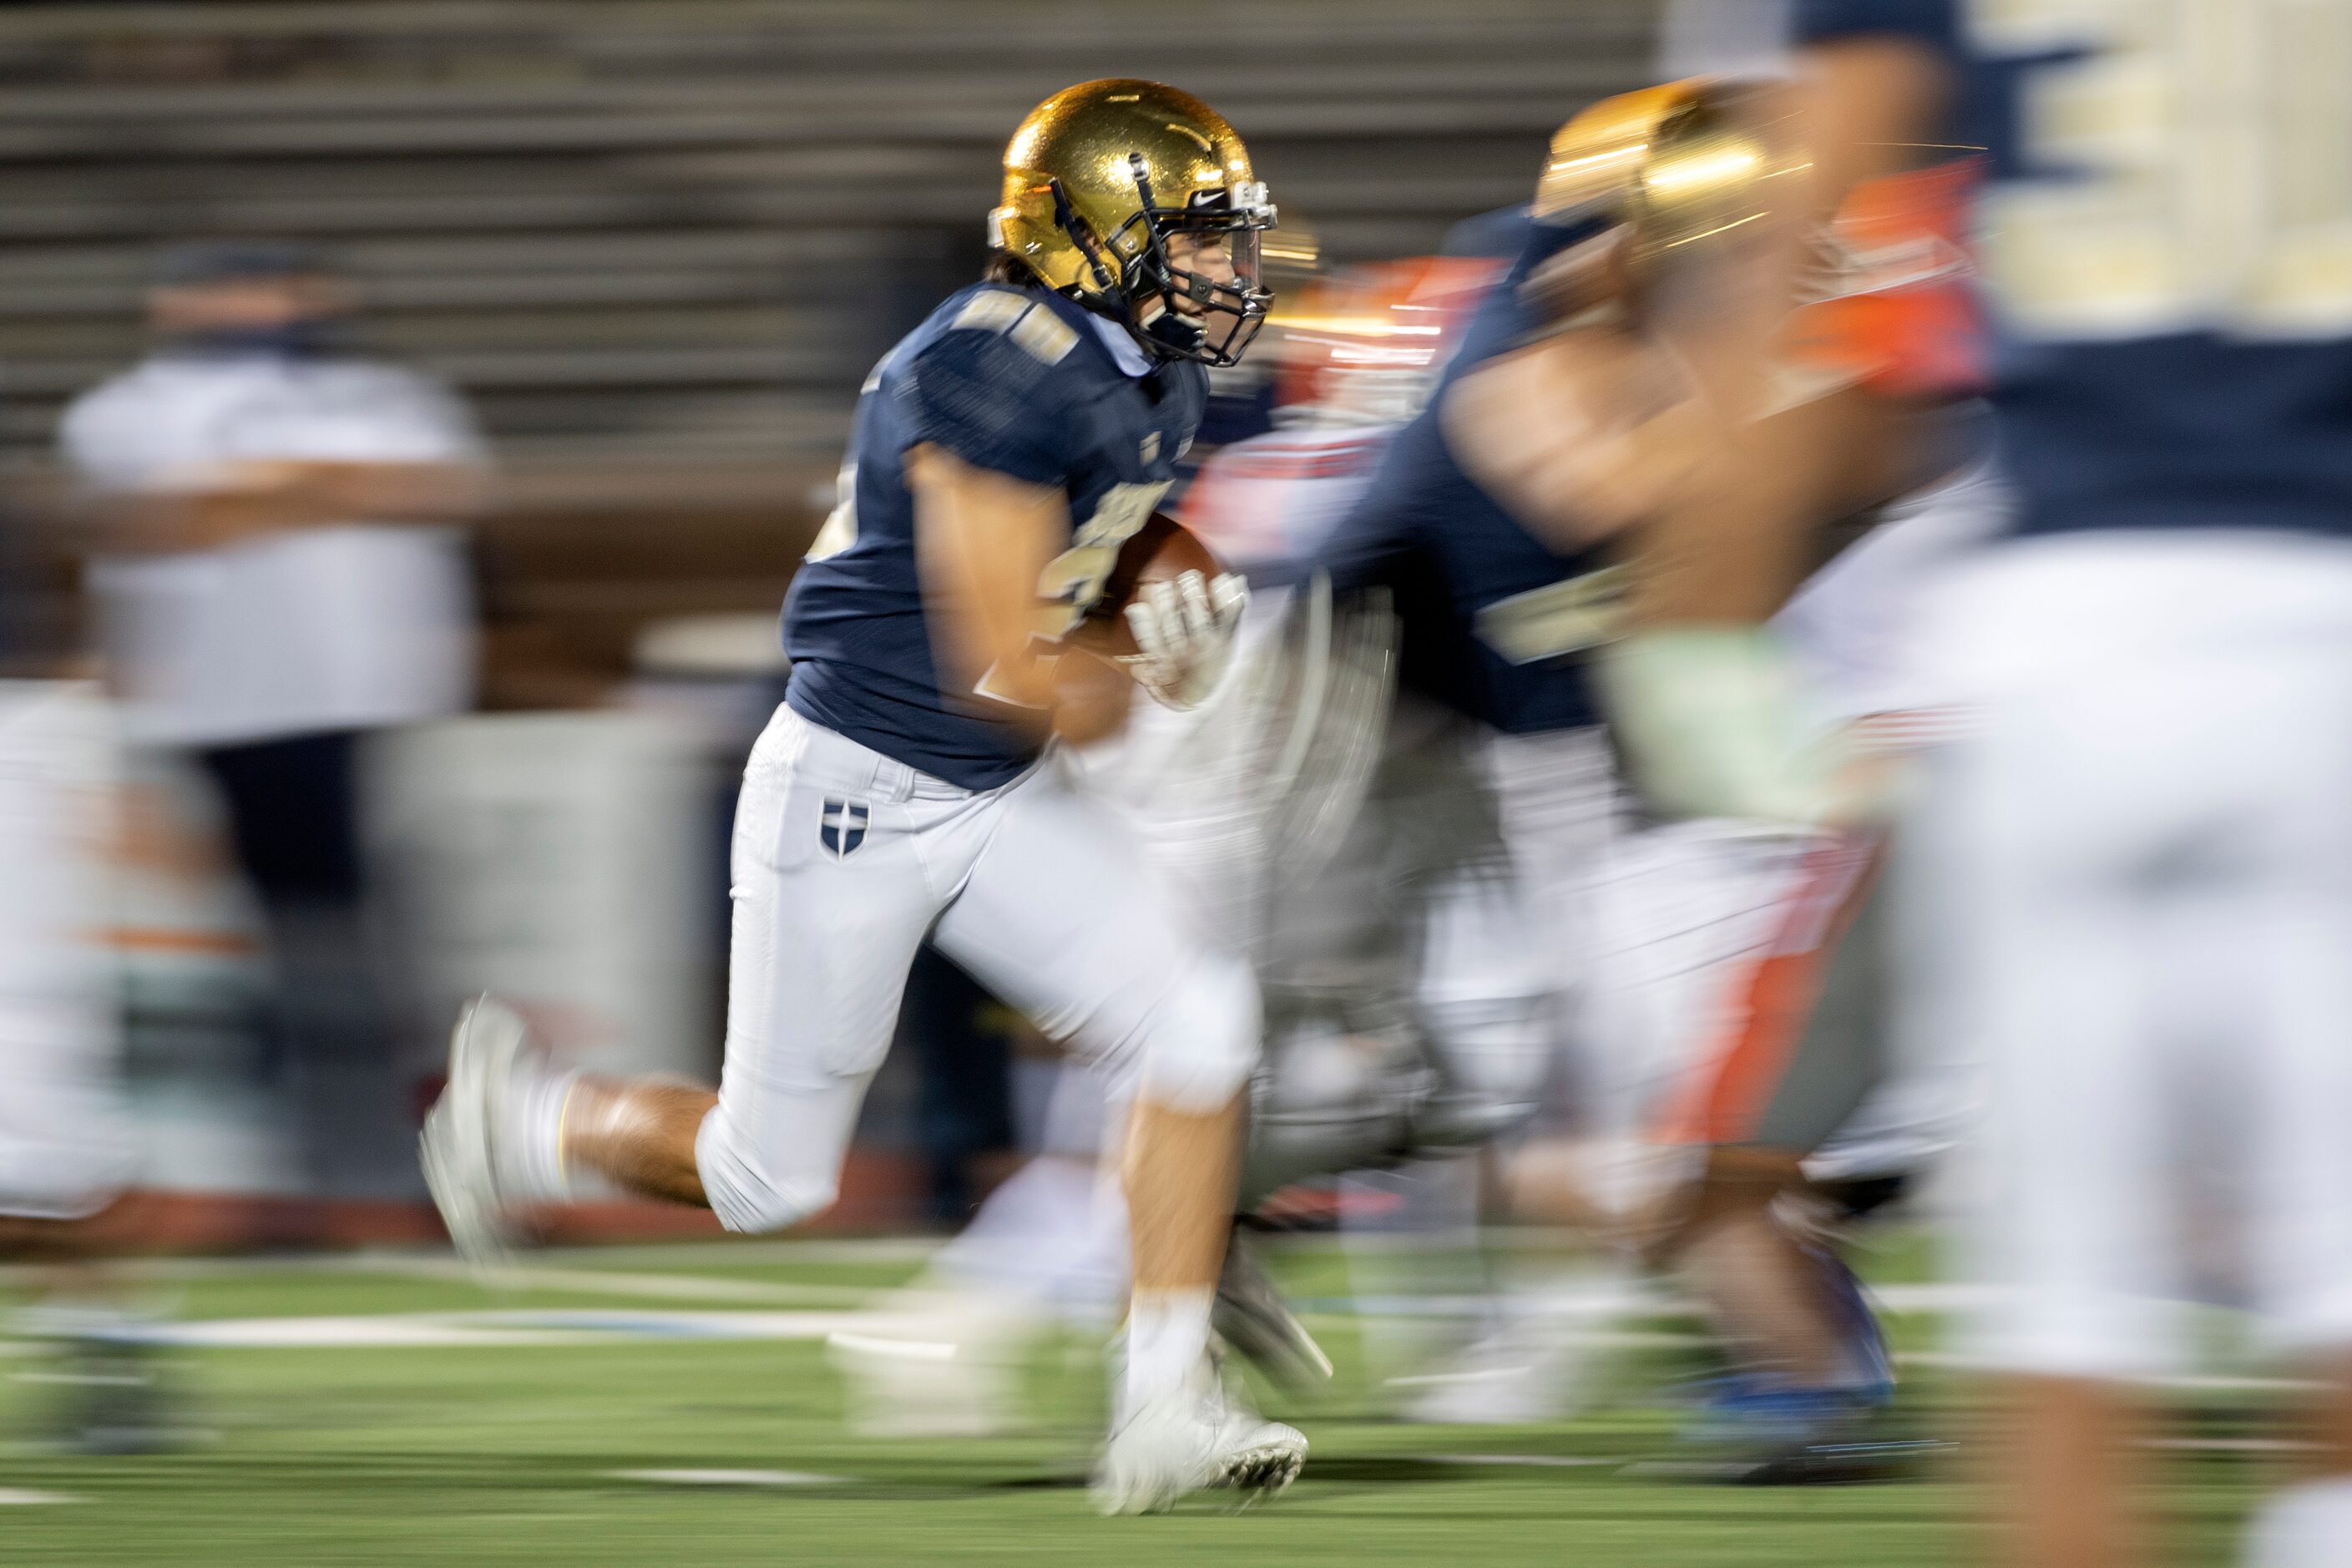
(1515, 607)
(2137, 879)
(1403, 1010)
(65, 1150)
(1002, 454)
(1795, 1076)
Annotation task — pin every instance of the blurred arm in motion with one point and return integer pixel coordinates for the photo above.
(1661, 410)
(983, 540)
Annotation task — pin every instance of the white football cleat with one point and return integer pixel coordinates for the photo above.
(1195, 1439)
(458, 1145)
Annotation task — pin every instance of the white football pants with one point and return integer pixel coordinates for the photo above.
(2136, 893)
(844, 860)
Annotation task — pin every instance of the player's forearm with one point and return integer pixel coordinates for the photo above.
(1732, 543)
(1736, 541)
(981, 542)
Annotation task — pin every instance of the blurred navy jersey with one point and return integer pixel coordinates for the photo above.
(1496, 625)
(1017, 381)
(2173, 292)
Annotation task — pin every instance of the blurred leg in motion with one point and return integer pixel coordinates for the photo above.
(1174, 1024)
(1806, 1050)
(293, 810)
(1758, 1279)
(640, 1135)
(2068, 1464)
(843, 861)
(2309, 1524)
(107, 1393)
(1176, 1177)
(2140, 898)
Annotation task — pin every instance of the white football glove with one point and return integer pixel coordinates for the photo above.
(1184, 635)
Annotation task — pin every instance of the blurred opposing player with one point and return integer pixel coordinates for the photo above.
(65, 1152)
(1002, 454)
(1791, 1075)
(2138, 881)
(1515, 606)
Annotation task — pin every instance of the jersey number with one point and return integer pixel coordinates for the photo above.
(2196, 165)
(1073, 581)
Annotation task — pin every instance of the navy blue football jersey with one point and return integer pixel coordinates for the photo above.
(2163, 242)
(1017, 381)
(1495, 625)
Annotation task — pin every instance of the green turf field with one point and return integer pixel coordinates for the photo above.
(506, 1453)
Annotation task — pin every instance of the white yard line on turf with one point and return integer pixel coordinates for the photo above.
(1535, 1461)
(891, 1249)
(729, 1477)
(552, 1326)
(599, 1282)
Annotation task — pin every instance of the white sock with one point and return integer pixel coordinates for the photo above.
(1167, 1340)
(530, 1151)
(2306, 1526)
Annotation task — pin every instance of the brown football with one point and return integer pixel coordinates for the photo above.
(1161, 550)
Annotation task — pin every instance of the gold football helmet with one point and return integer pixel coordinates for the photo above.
(1100, 176)
(1682, 166)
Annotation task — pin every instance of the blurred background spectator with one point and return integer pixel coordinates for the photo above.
(278, 579)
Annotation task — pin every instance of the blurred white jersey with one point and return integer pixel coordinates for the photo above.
(65, 1149)
(329, 627)
(1853, 626)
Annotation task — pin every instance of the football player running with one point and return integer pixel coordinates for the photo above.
(1402, 1011)
(2136, 889)
(1002, 453)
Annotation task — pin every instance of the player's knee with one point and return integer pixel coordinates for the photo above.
(1201, 1044)
(757, 1190)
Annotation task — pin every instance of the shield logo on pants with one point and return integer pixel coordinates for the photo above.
(842, 827)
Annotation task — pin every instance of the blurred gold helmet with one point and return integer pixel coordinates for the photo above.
(1096, 180)
(1682, 164)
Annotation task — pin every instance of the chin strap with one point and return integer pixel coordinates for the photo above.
(1066, 216)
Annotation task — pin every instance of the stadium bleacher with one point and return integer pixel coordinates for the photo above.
(658, 242)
